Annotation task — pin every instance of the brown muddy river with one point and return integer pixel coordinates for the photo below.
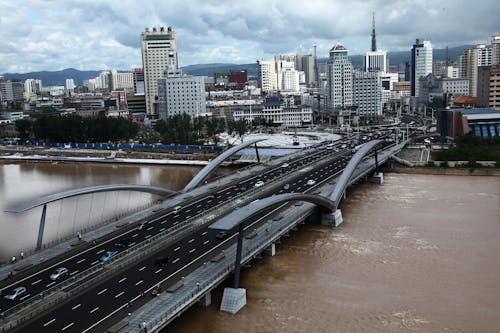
(418, 254)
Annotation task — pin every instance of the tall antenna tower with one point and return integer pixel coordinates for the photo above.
(374, 38)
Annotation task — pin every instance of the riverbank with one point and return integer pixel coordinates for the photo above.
(446, 171)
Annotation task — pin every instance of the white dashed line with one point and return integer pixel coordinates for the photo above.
(204, 233)
(102, 291)
(122, 280)
(149, 228)
(73, 273)
(99, 252)
(176, 260)
(206, 242)
(162, 229)
(158, 271)
(142, 268)
(76, 306)
(67, 326)
(192, 250)
(94, 310)
(95, 262)
(191, 240)
(135, 235)
(118, 295)
(80, 261)
(147, 236)
(36, 282)
(49, 322)
(138, 283)
(51, 284)
(23, 298)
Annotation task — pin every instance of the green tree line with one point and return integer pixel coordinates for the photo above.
(472, 148)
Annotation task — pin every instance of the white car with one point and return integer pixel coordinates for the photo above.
(15, 293)
(285, 165)
(311, 182)
(58, 273)
(259, 183)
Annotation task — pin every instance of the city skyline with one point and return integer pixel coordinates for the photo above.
(52, 35)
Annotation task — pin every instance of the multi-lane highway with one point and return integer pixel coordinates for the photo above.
(84, 313)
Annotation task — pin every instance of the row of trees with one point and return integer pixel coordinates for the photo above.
(472, 148)
(73, 128)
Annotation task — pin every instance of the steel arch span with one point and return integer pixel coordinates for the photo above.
(210, 167)
(233, 219)
(24, 206)
(349, 170)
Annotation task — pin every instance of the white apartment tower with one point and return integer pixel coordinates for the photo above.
(267, 77)
(481, 55)
(421, 64)
(339, 79)
(159, 52)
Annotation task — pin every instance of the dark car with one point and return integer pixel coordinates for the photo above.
(124, 242)
(221, 235)
(161, 261)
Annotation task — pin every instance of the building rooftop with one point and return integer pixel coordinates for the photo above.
(338, 47)
(478, 111)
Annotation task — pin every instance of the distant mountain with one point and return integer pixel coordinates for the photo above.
(56, 78)
(59, 77)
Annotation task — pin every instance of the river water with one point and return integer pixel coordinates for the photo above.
(419, 253)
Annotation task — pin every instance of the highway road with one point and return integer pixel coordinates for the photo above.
(87, 312)
(39, 280)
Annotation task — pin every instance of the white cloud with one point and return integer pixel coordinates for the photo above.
(57, 34)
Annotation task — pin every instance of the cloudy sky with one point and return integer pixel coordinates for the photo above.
(101, 34)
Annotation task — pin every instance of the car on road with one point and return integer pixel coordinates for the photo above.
(311, 182)
(108, 255)
(260, 183)
(15, 293)
(286, 186)
(124, 242)
(285, 165)
(59, 273)
(221, 235)
(177, 209)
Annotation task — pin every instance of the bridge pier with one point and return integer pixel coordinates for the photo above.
(378, 178)
(206, 300)
(271, 250)
(233, 300)
(333, 219)
(41, 229)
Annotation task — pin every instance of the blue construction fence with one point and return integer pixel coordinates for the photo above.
(182, 148)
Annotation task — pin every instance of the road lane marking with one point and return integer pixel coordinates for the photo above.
(147, 236)
(187, 210)
(162, 229)
(203, 234)
(95, 262)
(206, 242)
(142, 268)
(118, 295)
(177, 248)
(73, 273)
(76, 306)
(191, 240)
(150, 228)
(51, 284)
(138, 283)
(158, 271)
(187, 217)
(94, 310)
(99, 252)
(102, 291)
(49, 322)
(80, 261)
(122, 280)
(135, 235)
(67, 326)
(22, 298)
(132, 244)
(176, 260)
(36, 282)
(176, 222)
(192, 250)
(163, 222)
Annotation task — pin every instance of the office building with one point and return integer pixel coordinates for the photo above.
(375, 60)
(421, 64)
(11, 91)
(495, 50)
(32, 86)
(138, 76)
(267, 77)
(339, 93)
(159, 52)
(178, 93)
(488, 87)
(368, 93)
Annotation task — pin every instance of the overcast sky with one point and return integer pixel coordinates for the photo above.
(102, 34)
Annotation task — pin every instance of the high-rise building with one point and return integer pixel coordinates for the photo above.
(138, 81)
(368, 93)
(305, 63)
(32, 86)
(421, 64)
(159, 52)
(471, 60)
(488, 87)
(339, 79)
(495, 50)
(70, 85)
(267, 76)
(11, 91)
(375, 60)
(178, 93)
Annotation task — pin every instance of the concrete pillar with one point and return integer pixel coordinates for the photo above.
(271, 250)
(41, 229)
(333, 219)
(233, 300)
(206, 300)
(378, 178)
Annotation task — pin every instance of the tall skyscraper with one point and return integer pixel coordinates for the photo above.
(421, 64)
(267, 76)
(471, 60)
(368, 93)
(159, 52)
(375, 60)
(339, 79)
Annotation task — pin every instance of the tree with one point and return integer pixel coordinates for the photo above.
(24, 128)
(239, 127)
